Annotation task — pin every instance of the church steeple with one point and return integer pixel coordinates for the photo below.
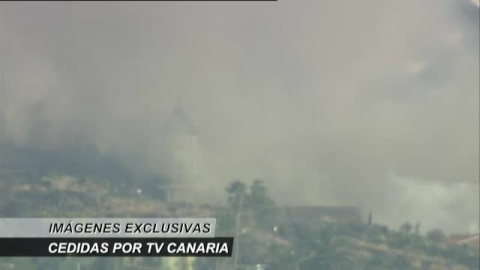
(179, 100)
(178, 122)
(180, 151)
(2, 62)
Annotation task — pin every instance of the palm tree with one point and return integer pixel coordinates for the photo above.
(236, 199)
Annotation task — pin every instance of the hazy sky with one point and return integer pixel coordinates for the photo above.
(373, 103)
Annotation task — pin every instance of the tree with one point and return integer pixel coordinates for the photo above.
(436, 236)
(260, 203)
(259, 197)
(417, 228)
(379, 262)
(329, 252)
(436, 240)
(406, 227)
(236, 195)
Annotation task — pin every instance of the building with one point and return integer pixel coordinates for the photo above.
(320, 213)
(471, 240)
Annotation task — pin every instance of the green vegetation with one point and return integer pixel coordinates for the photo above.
(263, 239)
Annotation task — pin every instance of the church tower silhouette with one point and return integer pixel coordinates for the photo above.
(180, 152)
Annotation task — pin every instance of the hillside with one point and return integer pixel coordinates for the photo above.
(299, 238)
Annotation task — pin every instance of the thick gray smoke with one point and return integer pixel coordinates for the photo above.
(373, 103)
